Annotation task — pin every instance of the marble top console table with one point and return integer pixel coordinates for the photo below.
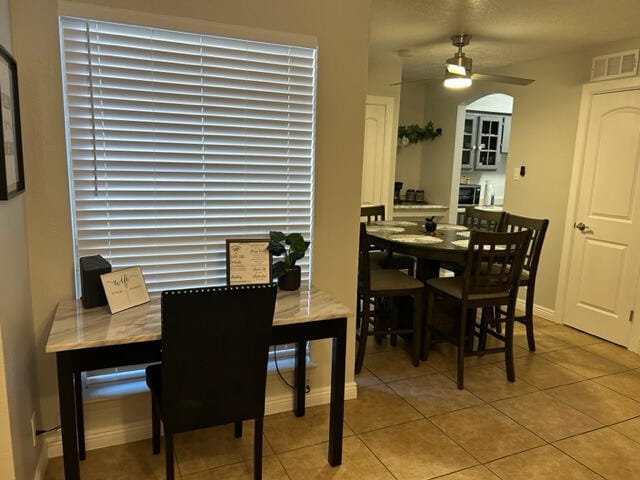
(92, 339)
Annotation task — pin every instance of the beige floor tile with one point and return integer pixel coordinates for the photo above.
(366, 378)
(626, 383)
(383, 346)
(597, 401)
(213, 447)
(582, 362)
(271, 470)
(358, 463)
(490, 383)
(443, 357)
(377, 406)
(545, 416)
(285, 431)
(542, 373)
(615, 353)
(417, 450)
(571, 335)
(539, 322)
(474, 473)
(434, 394)
(394, 365)
(544, 343)
(606, 452)
(629, 428)
(131, 461)
(486, 433)
(542, 463)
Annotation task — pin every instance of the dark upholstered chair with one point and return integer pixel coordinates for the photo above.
(492, 272)
(487, 220)
(215, 344)
(538, 229)
(379, 288)
(374, 213)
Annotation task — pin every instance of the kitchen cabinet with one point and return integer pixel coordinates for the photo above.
(482, 141)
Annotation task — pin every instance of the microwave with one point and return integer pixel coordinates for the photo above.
(469, 195)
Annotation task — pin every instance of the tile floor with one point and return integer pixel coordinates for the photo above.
(573, 413)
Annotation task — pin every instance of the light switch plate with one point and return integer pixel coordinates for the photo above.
(516, 173)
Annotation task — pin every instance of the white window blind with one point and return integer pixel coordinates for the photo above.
(178, 141)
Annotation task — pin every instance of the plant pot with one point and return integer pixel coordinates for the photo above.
(290, 280)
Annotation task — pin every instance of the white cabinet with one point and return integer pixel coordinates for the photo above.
(482, 141)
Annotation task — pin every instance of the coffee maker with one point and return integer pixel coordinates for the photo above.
(397, 186)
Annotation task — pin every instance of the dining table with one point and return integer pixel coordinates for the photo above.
(446, 244)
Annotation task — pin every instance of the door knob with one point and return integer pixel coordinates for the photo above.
(581, 226)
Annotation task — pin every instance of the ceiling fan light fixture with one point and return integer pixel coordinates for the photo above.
(456, 69)
(457, 81)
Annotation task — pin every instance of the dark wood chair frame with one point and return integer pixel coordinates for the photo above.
(493, 267)
(538, 229)
(370, 302)
(487, 220)
(203, 329)
(373, 213)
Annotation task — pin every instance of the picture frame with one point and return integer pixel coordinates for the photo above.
(11, 165)
(248, 261)
(124, 288)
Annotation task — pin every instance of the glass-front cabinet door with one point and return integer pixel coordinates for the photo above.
(488, 142)
(469, 142)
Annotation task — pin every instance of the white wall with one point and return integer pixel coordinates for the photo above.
(409, 158)
(342, 29)
(18, 389)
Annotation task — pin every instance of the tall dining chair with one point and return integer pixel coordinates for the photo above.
(215, 344)
(382, 259)
(380, 288)
(479, 219)
(492, 272)
(538, 229)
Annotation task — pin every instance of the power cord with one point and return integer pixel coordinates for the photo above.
(307, 388)
(41, 432)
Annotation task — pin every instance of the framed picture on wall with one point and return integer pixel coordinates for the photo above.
(11, 167)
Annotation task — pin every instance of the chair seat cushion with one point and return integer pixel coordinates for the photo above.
(386, 280)
(153, 374)
(452, 286)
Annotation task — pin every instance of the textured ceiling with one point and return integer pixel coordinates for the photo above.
(504, 31)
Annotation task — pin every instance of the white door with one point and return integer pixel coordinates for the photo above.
(378, 168)
(604, 263)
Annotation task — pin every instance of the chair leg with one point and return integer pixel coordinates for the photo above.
(462, 340)
(168, 443)
(418, 319)
(508, 344)
(364, 330)
(426, 331)
(237, 429)
(528, 317)
(155, 425)
(257, 448)
(395, 305)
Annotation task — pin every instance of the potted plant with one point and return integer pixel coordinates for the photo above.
(292, 247)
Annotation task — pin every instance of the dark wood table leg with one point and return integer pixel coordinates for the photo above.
(66, 395)
(336, 416)
(427, 269)
(300, 380)
(77, 379)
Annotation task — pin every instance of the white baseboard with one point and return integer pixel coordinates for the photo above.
(538, 311)
(133, 432)
(43, 461)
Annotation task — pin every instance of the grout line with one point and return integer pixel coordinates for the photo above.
(576, 460)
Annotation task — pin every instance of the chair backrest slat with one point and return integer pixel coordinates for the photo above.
(494, 262)
(364, 267)
(486, 220)
(215, 345)
(373, 213)
(538, 228)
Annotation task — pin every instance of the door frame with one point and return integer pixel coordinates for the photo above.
(589, 90)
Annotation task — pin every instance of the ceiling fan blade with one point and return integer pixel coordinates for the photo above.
(501, 78)
(404, 82)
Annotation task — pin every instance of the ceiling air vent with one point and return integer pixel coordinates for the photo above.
(615, 65)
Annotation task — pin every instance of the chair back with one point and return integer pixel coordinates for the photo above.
(364, 266)
(373, 213)
(486, 220)
(538, 228)
(215, 345)
(494, 262)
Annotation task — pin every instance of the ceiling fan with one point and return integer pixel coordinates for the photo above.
(458, 69)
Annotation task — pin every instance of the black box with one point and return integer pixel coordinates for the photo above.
(90, 270)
